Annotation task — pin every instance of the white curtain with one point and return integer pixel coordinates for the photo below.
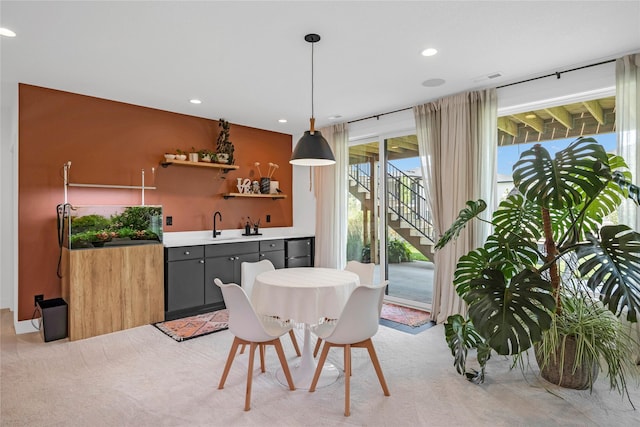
(331, 201)
(457, 142)
(627, 121)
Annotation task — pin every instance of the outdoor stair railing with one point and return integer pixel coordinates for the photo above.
(406, 196)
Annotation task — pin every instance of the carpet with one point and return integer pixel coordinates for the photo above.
(404, 315)
(195, 326)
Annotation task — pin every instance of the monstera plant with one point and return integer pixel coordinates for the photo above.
(549, 251)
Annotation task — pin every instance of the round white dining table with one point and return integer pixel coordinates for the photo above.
(306, 296)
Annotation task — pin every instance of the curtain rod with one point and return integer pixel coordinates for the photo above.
(557, 74)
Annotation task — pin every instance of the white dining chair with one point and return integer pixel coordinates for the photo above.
(363, 270)
(365, 274)
(248, 273)
(358, 322)
(248, 329)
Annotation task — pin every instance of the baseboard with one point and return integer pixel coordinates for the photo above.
(25, 326)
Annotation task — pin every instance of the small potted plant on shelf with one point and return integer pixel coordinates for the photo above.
(193, 155)
(551, 277)
(181, 155)
(207, 155)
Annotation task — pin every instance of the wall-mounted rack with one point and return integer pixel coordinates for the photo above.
(142, 187)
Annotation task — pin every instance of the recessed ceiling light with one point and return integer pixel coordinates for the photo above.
(429, 52)
(282, 121)
(433, 82)
(335, 117)
(195, 101)
(7, 32)
(530, 116)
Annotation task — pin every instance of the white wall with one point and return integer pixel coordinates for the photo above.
(8, 196)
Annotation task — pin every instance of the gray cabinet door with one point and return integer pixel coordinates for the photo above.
(184, 284)
(276, 258)
(227, 269)
(273, 250)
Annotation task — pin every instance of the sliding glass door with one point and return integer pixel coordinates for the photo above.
(389, 222)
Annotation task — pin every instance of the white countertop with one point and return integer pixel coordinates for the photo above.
(191, 238)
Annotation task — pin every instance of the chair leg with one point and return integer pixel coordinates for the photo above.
(242, 348)
(317, 348)
(376, 364)
(262, 349)
(323, 357)
(295, 342)
(283, 361)
(347, 380)
(227, 366)
(247, 398)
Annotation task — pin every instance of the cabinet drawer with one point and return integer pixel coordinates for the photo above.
(271, 245)
(304, 261)
(296, 248)
(184, 252)
(227, 249)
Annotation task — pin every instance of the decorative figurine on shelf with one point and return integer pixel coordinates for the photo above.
(244, 187)
(255, 187)
(223, 145)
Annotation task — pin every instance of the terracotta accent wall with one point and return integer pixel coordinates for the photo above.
(110, 143)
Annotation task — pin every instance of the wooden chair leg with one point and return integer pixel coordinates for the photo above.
(317, 348)
(347, 380)
(262, 349)
(295, 343)
(227, 366)
(323, 357)
(247, 398)
(242, 348)
(283, 361)
(376, 365)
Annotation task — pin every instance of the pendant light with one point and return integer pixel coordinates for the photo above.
(312, 148)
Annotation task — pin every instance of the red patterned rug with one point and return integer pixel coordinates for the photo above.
(404, 315)
(195, 326)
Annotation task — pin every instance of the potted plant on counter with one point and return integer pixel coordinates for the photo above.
(551, 274)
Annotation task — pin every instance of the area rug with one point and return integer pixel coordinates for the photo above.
(195, 326)
(404, 315)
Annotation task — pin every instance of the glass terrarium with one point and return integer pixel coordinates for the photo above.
(97, 226)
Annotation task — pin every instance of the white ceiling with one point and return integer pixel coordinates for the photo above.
(248, 61)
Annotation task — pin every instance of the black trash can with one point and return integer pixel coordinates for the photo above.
(54, 319)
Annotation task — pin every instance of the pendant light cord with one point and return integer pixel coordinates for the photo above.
(312, 114)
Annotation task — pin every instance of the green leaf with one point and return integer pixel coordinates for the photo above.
(516, 215)
(469, 267)
(613, 268)
(511, 254)
(461, 336)
(472, 210)
(510, 315)
(581, 168)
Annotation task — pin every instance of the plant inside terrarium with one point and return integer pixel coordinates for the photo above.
(134, 223)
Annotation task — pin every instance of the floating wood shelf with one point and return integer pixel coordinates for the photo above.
(226, 168)
(258, 196)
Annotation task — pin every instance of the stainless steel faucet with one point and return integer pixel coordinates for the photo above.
(216, 214)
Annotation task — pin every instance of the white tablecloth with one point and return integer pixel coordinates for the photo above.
(303, 295)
